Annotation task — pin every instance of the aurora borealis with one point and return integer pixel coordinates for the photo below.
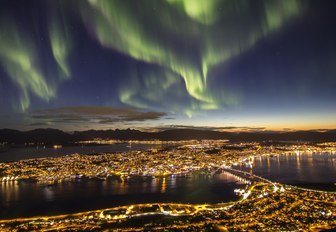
(79, 64)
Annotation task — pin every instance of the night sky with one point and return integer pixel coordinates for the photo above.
(158, 64)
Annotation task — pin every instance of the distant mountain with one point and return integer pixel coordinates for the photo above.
(8, 135)
(54, 136)
(47, 136)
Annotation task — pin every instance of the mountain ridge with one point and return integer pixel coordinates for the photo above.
(56, 136)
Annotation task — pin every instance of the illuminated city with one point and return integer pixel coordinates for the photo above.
(263, 204)
(183, 159)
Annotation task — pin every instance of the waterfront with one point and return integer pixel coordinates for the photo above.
(21, 199)
(265, 206)
(19, 153)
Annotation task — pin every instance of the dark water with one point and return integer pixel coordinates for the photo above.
(31, 199)
(308, 170)
(15, 154)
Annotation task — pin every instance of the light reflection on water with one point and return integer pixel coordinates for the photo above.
(298, 168)
(20, 199)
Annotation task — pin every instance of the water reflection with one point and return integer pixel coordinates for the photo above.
(31, 199)
(9, 191)
(312, 168)
(163, 185)
(48, 193)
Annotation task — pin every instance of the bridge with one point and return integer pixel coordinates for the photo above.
(246, 177)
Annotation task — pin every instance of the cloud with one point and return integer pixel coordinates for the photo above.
(213, 128)
(92, 114)
(38, 124)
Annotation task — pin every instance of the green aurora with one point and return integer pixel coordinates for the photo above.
(186, 39)
(259, 63)
(147, 34)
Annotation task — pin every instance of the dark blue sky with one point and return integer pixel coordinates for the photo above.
(249, 65)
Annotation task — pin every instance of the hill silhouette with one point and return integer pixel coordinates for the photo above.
(54, 136)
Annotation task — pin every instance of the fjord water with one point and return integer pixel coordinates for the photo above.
(15, 154)
(32, 199)
(307, 170)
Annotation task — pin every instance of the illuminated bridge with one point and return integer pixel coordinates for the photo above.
(245, 176)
